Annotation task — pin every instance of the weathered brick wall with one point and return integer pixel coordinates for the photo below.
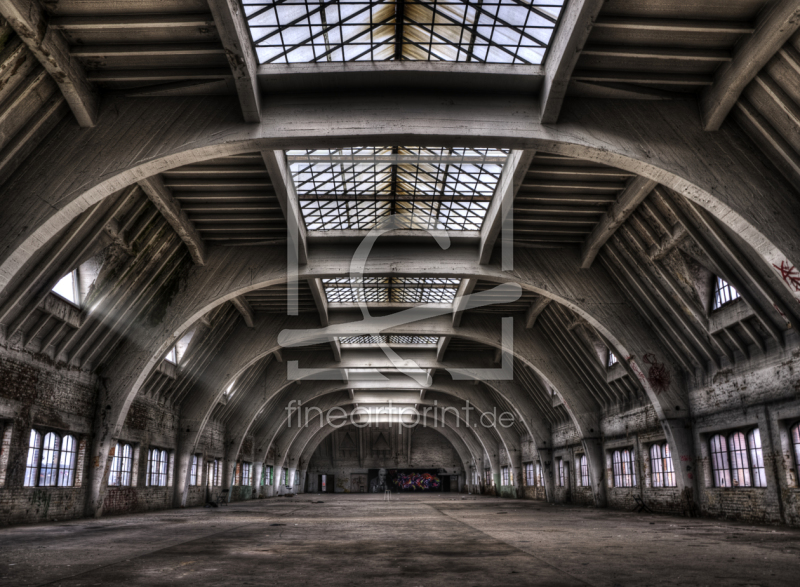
(36, 394)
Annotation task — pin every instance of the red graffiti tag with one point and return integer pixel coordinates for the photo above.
(685, 458)
(658, 375)
(789, 274)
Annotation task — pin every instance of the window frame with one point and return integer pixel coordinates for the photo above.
(723, 289)
(582, 467)
(504, 477)
(76, 289)
(611, 359)
(247, 473)
(561, 472)
(121, 472)
(61, 469)
(623, 461)
(662, 467)
(194, 470)
(732, 464)
(157, 467)
(794, 438)
(530, 475)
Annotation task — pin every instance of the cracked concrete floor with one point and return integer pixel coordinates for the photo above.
(422, 540)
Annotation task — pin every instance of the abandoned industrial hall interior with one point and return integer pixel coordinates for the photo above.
(419, 292)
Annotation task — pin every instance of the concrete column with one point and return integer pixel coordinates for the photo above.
(593, 447)
(98, 472)
(515, 462)
(258, 470)
(302, 487)
(183, 462)
(228, 474)
(681, 444)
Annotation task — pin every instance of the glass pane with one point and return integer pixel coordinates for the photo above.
(32, 464)
(66, 465)
(740, 467)
(66, 288)
(757, 458)
(48, 474)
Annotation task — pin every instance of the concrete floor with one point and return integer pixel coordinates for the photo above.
(423, 540)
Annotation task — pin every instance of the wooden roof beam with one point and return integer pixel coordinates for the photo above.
(534, 310)
(633, 195)
(500, 212)
(283, 184)
(773, 28)
(162, 198)
(564, 51)
(29, 20)
(241, 304)
(235, 36)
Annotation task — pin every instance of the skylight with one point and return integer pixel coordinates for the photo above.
(426, 187)
(393, 339)
(724, 293)
(67, 287)
(480, 31)
(415, 290)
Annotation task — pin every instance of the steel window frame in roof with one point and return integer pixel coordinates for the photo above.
(415, 30)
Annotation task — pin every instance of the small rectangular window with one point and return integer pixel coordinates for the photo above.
(583, 471)
(195, 468)
(488, 475)
(796, 443)
(530, 479)
(504, 475)
(246, 479)
(612, 359)
(561, 472)
(538, 480)
(724, 293)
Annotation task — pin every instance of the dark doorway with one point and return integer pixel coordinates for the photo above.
(445, 483)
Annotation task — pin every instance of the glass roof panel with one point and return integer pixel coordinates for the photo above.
(415, 290)
(393, 339)
(489, 31)
(425, 187)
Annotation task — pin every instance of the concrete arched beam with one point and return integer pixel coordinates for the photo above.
(286, 436)
(75, 168)
(590, 293)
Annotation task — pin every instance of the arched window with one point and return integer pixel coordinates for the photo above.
(48, 473)
(624, 474)
(121, 466)
(756, 458)
(51, 460)
(583, 471)
(661, 466)
(32, 466)
(719, 461)
(796, 443)
(740, 465)
(157, 461)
